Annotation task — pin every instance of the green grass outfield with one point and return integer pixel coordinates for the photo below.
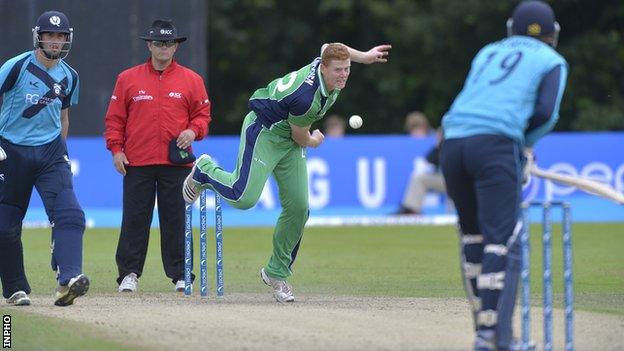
(365, 261)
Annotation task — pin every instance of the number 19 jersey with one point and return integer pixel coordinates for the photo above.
(501, 89)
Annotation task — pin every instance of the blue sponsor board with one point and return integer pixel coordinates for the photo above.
(359, 175)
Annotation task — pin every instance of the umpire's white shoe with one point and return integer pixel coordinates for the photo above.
(19, 298)
(192, 187)
(129, 283)
(281, 289)
(66, 294)
(180, 285)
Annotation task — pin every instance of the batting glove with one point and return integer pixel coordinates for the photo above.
(529, 162)
(2, 154)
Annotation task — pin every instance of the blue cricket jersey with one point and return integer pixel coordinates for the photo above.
(502, 89)
(33, 97)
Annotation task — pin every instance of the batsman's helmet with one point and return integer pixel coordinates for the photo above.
(535, 19)
(53, 22)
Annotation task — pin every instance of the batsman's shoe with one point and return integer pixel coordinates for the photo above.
(192, 185)
(19, 298)
(129, 283)
(179, 287)
(516, 345)
(486, 341)
(66, 294)
(281, 290)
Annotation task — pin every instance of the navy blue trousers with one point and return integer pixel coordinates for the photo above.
(47, 168)
(483, 177)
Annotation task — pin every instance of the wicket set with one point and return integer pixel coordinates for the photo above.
(566, 224)
(203, 246)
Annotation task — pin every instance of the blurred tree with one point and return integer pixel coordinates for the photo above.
(251, 42)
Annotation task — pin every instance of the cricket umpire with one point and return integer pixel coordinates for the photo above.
(157, 110)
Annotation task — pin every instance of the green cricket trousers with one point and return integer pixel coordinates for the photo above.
(260, 153)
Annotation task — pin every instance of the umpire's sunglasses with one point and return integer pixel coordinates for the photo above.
(159, 44)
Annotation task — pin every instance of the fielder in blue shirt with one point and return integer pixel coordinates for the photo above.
(510, 99)
(37, 90)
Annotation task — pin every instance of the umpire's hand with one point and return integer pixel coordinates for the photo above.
(120, 161)
(185, 139)
(2, 154)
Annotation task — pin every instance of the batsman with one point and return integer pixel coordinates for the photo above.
(38, 88)
(274, 139)
(510, 99)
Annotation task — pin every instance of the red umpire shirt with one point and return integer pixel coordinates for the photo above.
(149, 108)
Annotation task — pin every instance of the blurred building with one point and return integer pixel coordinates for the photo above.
(105, 43)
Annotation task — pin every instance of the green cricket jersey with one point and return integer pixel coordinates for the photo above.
(300, 97)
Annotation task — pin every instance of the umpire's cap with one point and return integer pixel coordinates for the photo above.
(533, 18)
(162, 30)
(52, 22)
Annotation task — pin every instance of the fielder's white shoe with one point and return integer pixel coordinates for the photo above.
(66, 294)
(179, 287)
(19, 298)
(281, 290)
(129, 283)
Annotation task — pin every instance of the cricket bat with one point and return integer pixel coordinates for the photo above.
(589, 186)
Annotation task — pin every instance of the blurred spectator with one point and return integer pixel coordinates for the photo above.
(335, 126)
(417, 125)
(421, 183)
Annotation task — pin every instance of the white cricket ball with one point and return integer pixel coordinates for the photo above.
(355, 121)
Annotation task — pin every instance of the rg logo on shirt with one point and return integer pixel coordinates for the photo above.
(32, 98)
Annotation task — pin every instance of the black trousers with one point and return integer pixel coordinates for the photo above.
(141, 186)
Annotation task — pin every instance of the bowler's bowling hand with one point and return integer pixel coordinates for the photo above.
(317, 138)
